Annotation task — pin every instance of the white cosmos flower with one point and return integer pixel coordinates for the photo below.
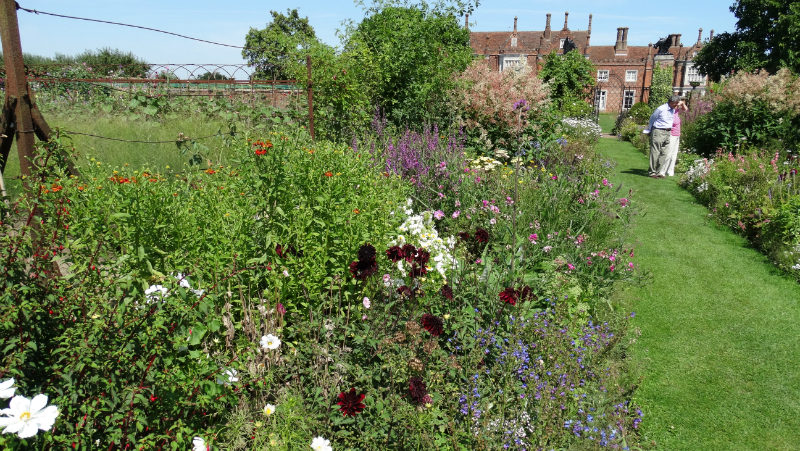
(228, 377)
(183, 281)
(7, 388)
(26, 416)
(270, 341)
(320, 444)
(198, 444)
(269, 409)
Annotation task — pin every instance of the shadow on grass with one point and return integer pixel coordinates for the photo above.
(636, 171)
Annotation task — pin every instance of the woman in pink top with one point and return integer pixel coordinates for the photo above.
(675, 139)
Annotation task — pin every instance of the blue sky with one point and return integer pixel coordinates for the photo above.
(229, 21)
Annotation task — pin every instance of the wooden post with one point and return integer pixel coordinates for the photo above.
(16, 85)
(310, 98)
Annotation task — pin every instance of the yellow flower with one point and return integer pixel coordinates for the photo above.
(447, 316)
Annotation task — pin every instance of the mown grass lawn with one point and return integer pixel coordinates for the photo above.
(720, 342)
(606, 121)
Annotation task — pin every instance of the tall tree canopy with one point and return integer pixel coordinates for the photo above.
(766, 37)
(570, 76)
(281, 44)
(416, 50)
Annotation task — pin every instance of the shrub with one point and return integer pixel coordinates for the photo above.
(487, 99)
(660, 86)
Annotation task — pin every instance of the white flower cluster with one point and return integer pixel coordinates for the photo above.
(420, 231)
(581, 127)
(698, 170)
(485, 163)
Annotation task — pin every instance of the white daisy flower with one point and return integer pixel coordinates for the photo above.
(270, 341)
(7, 388)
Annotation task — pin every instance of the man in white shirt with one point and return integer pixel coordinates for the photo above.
(659, 128)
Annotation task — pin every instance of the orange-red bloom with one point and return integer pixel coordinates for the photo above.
(329, 174)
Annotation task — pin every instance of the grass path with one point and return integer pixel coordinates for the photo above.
(720, 327)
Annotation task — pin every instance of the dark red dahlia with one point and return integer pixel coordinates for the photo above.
(367, 252)
(463, 236)
(284, 251)
(361, 270)
(417, 271)
(417, 389)
(404, 291)
(482, 236)
(395, 254)
(509, 296)
(447, 292)
(351, 402)
(526, 294)
(432, 324)
(422, 257)
(409, 252)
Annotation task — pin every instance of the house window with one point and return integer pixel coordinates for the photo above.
(561, 44)
(628, 99)
(600, 97)
(693, 75)
(631, 75)
(508, 63)
(602, 75)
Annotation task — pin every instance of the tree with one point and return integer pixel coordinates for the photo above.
(282, 44)
(570, 76)
(765, 38)
(416, 50)
(213, 76)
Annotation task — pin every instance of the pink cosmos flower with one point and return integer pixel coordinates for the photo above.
(438, 214)
(456, 214)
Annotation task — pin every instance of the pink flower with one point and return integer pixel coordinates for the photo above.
(493, 221)
(456, 213)
(281, 309)
(366, 302)
(630, 265)
(438, 214)
(623, 202)
(364, 318)
(458, 204)
(611, 268)
(509, 201)
(605, 182)
(479, 261)
(570, 266)
(547, 248)
(533, 238)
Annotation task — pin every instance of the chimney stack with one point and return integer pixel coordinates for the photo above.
(515, 25)
(621, 46)
(590, 25)
(466, 22)
(676, 39)
(547, 28)
(711, 35)
(699, 37)
(566, 18)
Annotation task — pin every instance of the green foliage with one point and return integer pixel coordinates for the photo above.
(104, 61)
(660, 87)
(570, 76)
(753, 192)
(414, 51)
(765, 38)
(278, 49)
(213, 76)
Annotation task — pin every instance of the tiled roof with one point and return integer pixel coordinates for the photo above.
(527, 41)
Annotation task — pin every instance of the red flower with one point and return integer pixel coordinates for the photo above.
(367, 252)
(526, 294)
(366, 265)
(281, 309)
(329, 174)
(409, 252)
(350, 402)
(417, 389)
(447, 292)
(395, 254)
(404, 291)
(422, 256)
(463, 236)
(432, 324)
(417, 271)
(509, 296)
(261, 152)
(482, 236)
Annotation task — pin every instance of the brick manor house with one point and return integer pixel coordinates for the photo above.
(624, 72)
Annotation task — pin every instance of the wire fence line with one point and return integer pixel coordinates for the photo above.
(33, 11)
(176, 141)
